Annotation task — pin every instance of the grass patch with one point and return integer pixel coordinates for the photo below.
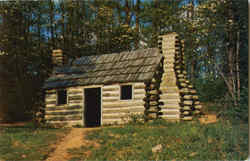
(179, 141)
(28, 142)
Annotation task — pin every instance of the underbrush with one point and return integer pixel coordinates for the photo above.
(28, 142)
(179, 141)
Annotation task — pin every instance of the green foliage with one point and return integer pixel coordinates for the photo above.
(210, 90)
(27, 142)
(239, 112)
(180, 141)
(136, 118)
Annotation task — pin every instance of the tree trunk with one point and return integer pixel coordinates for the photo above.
(237, 65)
(137, 27)
(231, 54)
(51, 14)
(128, 12)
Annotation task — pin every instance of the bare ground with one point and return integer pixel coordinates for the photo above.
(75, 139)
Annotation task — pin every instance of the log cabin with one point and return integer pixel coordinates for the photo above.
(108, 89)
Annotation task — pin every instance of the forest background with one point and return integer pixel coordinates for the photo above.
(215, 33)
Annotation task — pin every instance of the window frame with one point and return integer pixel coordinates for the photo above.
(57, 97)
(132, 92)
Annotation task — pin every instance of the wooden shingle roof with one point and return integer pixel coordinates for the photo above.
(134, 66)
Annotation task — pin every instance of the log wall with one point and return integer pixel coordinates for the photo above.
(116, 111)
(68, 114)
(113, 109)
(152, 109)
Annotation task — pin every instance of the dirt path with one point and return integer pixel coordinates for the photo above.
(74, 139)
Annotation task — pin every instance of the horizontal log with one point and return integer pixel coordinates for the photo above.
(112, 121)
(195, 97)
(170, 96)
(64, 118)
(168, 66)
(115, 88)
(139, 96)
(169, 89)
(75, 92)
(61, 113)
(147, 106)
(124, 110)
(52, 91)
(179, 60)
(169, 70)
(151, 103)
(66, 123)
(110, 99)
(169, 59)
(198, 107)
(139, 91)
(63, 110)
(187, 118)
(154, 107)
(111, 86)
(171, 101)
(170, 56)
(149, 95)
(170, 110)
(50, 96)
(182, 80)
(77, 88)
(178, 72)
(193, 91)
(56, 108)
(186, 108)
(75, 101)
(75, 97)
(186, 113)
(147, 99)
(170, 106)
(171, 118)
(170, 113)
(185, 90)
(183, 84)
(49, 100)
(114, 116)
(110, 94)
(122, 104)
(177, 67)
(197, 103)
(139, 86)
(54, 102)
(186, 102)
(189, 97)
(197, 112)
(180, 75)
(152, 111)
(152, 96)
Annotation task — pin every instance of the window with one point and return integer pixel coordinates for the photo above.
(126, 92)
(61, 97)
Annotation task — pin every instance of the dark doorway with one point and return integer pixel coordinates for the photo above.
(92, 112)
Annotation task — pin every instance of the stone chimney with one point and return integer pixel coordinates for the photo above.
(58, 58)
(179, 99)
